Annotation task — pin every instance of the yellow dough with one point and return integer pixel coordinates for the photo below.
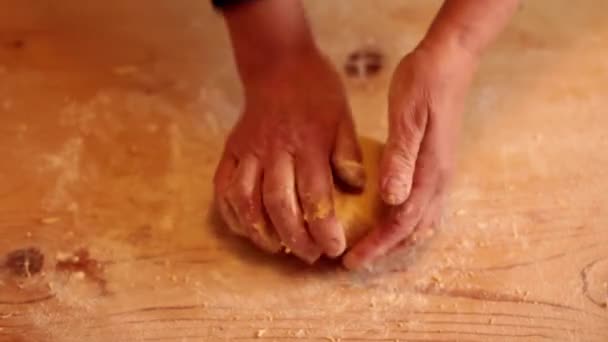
(359, 212)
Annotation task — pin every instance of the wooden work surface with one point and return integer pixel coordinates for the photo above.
(112, 115)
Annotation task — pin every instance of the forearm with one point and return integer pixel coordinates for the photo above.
(264, 31)
(469, 25)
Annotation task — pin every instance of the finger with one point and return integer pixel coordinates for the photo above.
(315, 189)
(347, 158)
(223, 172)
(221, 180)
(400, 223)
(428, 184)
(430, 220)
(406, 132)
(244, 197)
(281, 203)
(425, 229)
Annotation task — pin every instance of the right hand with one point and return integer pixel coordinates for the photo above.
(274, 182)
(426, 101)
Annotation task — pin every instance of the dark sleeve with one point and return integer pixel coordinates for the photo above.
(227, 4)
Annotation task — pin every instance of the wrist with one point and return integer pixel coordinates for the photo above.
(448, 50)
(266, 32)
(468, 27)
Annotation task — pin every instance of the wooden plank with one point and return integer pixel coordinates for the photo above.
(111, 121)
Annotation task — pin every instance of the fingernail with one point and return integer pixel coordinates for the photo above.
(348, 262)
(393, 190)
(310, 256)
(353, 261)
(353, 172)
(336, 249)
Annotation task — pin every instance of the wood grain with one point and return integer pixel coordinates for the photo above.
(112, 116)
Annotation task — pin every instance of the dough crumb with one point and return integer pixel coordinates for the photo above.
(152, 128)
(49, 220)
(133, 150)
(482, 225)
(300, 333)
(260, 333)
(461, 212)
(7, 105)
(125, 70)
(482, 244)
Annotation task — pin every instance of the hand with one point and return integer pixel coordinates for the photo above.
(274, 182)
(426, 99)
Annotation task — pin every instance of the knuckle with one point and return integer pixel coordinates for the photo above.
(235, 193)
(220, 179)
(242, 198)
(404, 162)
(412, 123)
(406, 215)
(401, 157)
(230, 219)
(277, 201)
(395, 227)
(419, 119)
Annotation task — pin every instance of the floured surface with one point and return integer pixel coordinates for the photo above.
(112, 117)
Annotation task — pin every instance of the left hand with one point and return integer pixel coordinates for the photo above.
(426, 100)
(274, 182)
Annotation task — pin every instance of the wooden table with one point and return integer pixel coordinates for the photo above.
(112, 116)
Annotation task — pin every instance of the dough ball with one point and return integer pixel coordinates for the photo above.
(359, 212)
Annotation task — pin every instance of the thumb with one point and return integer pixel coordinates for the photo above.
(347, 159)
(399, 157)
